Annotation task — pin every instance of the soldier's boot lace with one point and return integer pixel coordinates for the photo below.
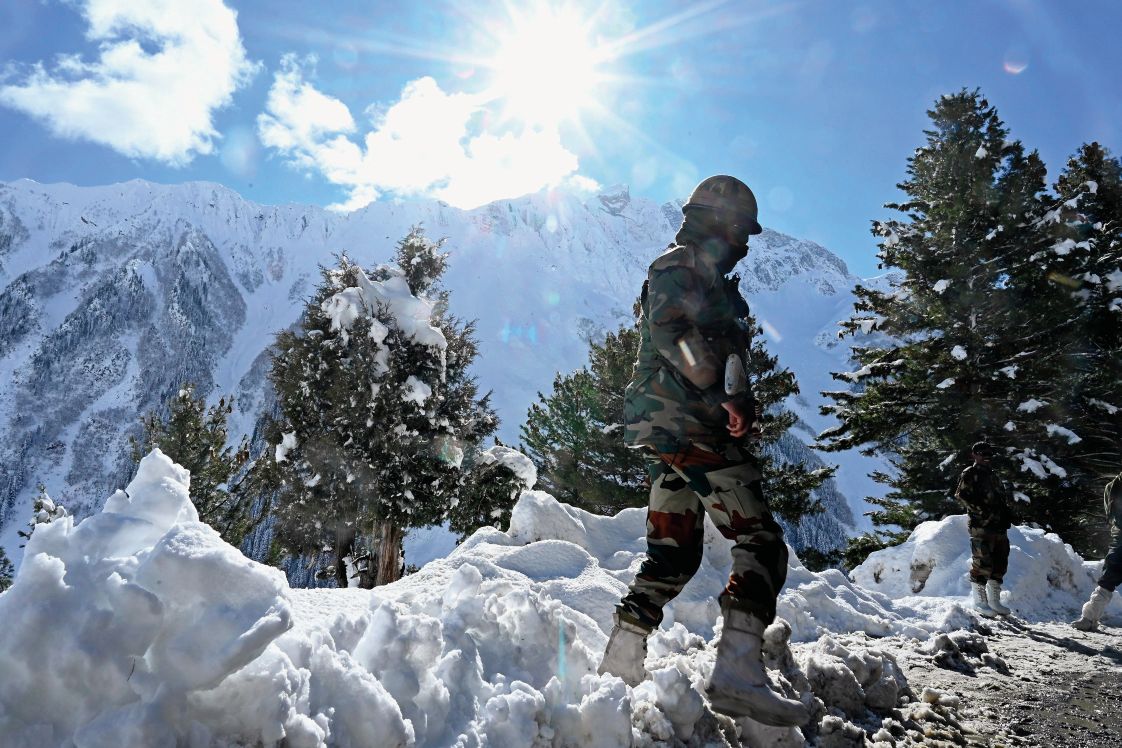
(981, 602)
(1093, 610)
(739, 685)
(626, 651)
(993, 597)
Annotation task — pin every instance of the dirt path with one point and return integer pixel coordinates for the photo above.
(1042, 685)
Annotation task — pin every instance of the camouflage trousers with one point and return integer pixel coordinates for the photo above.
(989, 551)
(1112, 564)
(724, 484)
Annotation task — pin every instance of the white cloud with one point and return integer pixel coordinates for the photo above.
(429, 142)
(142, 103)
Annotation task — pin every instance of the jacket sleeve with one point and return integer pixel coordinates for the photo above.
(968, 494)
(675, 302)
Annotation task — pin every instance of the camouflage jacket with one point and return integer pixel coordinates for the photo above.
(1112, 502)
(693, 317)
(985, 497)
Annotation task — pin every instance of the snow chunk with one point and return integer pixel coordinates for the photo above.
(1030, 406)
(1063, 247)
(981, 152)
(1039, 465)
(941, 286)
(518, 463)
(412, 315)
(1010, 371)
(1092, 186)
(416, 391)
(948, 382)
(1056, 430)
(958, 353)
(287, 444)
(1111, 409)
(1114, 280)
(1010, 426)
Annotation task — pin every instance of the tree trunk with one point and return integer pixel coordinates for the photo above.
(344, 545)
(389, 537)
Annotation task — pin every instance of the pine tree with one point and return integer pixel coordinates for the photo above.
(1087, 214)
(377, 412)
(194, 436)
(575, 434)
(964, 342)
(7, 571)
(1083, 268)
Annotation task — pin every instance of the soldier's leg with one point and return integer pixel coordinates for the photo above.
(999, 555)
(675, 531)
(981, 559)
(729, 484)
(1112, 565)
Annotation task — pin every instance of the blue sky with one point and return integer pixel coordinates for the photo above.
(815, 104)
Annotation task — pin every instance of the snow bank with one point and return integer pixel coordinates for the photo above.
(112, 624)
(139, 626)
(1047, 580)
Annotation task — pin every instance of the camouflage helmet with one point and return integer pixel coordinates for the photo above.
(728, 196)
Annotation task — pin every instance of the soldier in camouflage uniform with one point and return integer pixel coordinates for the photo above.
(689, 406)
(1094, 608)
(986, 499)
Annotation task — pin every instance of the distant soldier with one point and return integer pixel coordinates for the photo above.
(1112, 564)
(986, 499)
(688, 404)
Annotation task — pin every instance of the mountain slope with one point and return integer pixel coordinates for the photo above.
(112, 296)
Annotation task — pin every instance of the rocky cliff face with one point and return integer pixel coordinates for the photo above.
(110, 297)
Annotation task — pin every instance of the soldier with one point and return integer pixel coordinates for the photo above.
(689, 406)
(986, 499)
(1112, 564)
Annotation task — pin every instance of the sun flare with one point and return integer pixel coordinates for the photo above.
(546, 68)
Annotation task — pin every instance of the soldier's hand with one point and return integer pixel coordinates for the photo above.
(740, 420)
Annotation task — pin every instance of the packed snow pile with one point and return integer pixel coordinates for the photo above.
(1046, 581)
(140, 626)
(113, 625)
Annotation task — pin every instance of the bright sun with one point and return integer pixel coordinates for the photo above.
(546, 69)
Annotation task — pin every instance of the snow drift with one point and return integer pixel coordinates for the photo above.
(140, 626)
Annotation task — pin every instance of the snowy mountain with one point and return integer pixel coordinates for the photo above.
(112, 296)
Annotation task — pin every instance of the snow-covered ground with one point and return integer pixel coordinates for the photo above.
(139, 626)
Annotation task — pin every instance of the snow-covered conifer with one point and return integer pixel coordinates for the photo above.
(961, 345)
(377, 411)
